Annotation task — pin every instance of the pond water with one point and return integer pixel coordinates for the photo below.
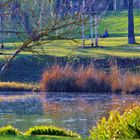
(76, 111)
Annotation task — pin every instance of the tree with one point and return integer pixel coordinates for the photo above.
(41, 22)
(117, 4)
(111, 4)
(125, 4)
(38, 24)
(131, 35)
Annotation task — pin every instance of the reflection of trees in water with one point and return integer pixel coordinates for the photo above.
(80, 114)
(21, 105)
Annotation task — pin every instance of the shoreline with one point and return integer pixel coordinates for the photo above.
(28, 69)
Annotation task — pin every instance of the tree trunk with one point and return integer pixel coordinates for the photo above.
(117, 5)
(125, 4)
(131, 35)
(111, 4)
(96, 31)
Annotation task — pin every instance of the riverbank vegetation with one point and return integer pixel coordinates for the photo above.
(81, 79)
(118, 126)
(89, 79)
(16, 86)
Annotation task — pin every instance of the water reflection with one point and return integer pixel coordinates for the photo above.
(75, 111)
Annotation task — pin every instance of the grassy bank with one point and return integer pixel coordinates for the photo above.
(28, 69)
(51, 132)
(16, 86)
(89, 79)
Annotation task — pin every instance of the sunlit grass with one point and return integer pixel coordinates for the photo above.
(38, 133)
(15, 86)
(116, 46)
(116, 22)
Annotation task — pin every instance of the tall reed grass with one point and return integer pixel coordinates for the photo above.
(89, 79)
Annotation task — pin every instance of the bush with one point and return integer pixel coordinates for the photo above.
(126, 126)
(9, 130)
(50, 130)
(89, 79)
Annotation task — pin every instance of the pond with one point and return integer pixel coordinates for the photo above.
(76, 111)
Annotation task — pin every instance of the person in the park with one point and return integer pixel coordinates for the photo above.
(2, 46)
(106, 34)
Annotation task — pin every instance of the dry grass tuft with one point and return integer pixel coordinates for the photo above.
(89, 79)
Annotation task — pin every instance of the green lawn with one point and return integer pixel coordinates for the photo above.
(116, 23)
(115, 46)
(27, 68)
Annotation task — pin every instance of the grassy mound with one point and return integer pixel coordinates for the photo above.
(126, 126)
(67, 79)
(39, 130)
(50, 130)
(9, 130)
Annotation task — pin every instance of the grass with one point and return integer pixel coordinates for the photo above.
(115, 46)
(51, 130)
(116, 23)
(37, 138)
(16, 86)
(89, 79)
(27, 68)
(41, 132)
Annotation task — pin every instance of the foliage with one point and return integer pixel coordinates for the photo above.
(89, 79)
(50, 130)
(126, 126)
(9, 130)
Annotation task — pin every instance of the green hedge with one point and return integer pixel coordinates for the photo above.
(126, 126)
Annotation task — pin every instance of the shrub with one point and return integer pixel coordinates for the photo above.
(89, 79)
(50, 130)
(126, 126)
(9, 130)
